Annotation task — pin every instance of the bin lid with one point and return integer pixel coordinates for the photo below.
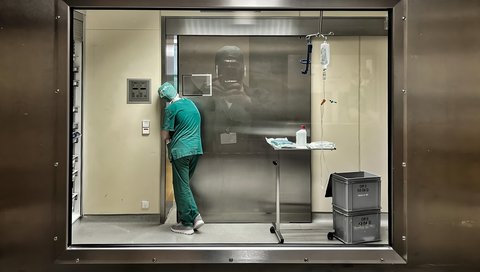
(355, 177)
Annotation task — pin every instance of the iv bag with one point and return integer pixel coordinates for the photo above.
(324, 54)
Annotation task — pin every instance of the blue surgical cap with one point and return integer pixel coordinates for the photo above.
(167, 91)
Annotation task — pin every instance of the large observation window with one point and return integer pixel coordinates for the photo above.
(253, 75)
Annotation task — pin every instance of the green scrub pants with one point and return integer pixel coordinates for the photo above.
(183, 169)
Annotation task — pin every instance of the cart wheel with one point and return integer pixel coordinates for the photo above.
(330, 236)
(272, 229)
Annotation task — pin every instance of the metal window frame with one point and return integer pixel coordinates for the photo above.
(395, 253)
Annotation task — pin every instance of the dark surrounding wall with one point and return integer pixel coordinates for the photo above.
(443, 150)
(443, 66)
(27, 116)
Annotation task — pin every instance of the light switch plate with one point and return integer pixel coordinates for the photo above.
(145, 127)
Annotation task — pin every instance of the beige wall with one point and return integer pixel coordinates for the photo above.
(357, 123)
(374, 110)
(122, 167)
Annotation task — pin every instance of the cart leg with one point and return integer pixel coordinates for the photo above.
(276, 225)
(275, 229)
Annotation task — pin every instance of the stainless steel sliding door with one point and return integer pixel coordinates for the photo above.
(248, 88)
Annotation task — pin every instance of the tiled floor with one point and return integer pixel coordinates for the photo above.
(145, 230)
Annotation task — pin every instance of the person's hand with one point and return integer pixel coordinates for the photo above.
(228, 89)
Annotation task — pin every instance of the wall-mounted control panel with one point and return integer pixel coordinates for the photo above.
(138, 91)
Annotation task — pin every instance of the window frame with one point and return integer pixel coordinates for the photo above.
(121, 254)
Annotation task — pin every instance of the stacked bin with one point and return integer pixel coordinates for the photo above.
(356, 207)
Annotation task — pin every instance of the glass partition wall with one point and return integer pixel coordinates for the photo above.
(253, 75)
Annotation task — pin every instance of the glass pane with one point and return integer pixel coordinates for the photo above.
(247, 86)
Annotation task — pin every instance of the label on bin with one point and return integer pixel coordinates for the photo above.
(362, 190)
(364, 223)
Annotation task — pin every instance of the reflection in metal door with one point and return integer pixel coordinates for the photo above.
(257, 91)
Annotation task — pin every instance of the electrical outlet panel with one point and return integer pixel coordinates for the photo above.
(145, 204)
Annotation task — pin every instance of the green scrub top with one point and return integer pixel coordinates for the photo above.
(183, 118)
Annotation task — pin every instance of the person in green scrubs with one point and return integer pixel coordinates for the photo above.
(181, 131)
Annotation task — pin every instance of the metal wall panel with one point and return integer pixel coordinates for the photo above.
(62, 215)
(236, 5)
(246, 27)
(443, 193)
(352, 26)
(397, 143)
(27, 138)
(299, 26)
(443, 132)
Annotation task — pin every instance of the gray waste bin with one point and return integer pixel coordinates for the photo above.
(356, 227)
(355, 191)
